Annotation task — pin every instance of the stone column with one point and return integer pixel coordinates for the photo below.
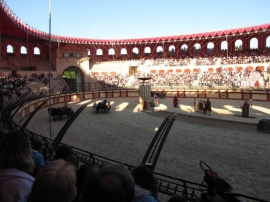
(145, 95)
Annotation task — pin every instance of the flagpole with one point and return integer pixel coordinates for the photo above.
(50, 8)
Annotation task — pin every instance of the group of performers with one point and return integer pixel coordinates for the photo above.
(206, 108)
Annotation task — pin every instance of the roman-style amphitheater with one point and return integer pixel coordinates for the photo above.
(195, 66)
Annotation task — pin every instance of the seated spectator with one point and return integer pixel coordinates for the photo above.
(15, 165)
(3, 132)
(62, 152)
(81, 174)
(37, 145)
(56, 182)
(145, 184)
(110, 183)
(31, 78)
(73, 159)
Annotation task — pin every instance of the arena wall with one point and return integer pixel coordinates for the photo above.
(29, 107)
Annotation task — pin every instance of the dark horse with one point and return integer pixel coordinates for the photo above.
(102, 106)
(60, 112)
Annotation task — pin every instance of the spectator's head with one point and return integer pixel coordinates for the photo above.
(177, 198)
(81, 174)
(55, 182)
(110, 183)
(73, 159)
(144, 177)
(37, 144)
(63, 151)
(15, 152)
(3, 132)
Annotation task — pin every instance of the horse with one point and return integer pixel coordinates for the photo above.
(60, 112)
(103, 107)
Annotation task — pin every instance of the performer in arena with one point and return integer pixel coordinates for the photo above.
(250, 102)
(207, 107)
(156, 100)
(175, 101)
(245, 109)
(66, 105)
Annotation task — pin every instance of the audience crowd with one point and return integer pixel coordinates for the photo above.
(225, 77)
(31, 172)
(10, 85)
(235, 57)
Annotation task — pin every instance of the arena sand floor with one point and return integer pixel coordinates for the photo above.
(229, 143)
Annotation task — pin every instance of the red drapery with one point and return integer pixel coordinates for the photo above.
(161, 71)
(112, 73)
(239, 68)
(249, 68)
(261, 68)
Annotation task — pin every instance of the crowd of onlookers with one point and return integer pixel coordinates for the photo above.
(245, 59)
(166, 61)
(116, 80)
(11, 85)
(235, 57)
(234, 79)
(206, 61)
(14, 85)
(30, 171)
(225, 77)
(228, 77)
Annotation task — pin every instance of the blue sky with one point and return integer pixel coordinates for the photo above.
(120, 19)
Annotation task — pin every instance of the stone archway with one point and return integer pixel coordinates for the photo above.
(74, 77)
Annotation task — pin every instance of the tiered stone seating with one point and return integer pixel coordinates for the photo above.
(58, 84)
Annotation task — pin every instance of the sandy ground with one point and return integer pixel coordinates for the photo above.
(239, 156)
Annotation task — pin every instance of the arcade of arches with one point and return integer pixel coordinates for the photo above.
(211, 47)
